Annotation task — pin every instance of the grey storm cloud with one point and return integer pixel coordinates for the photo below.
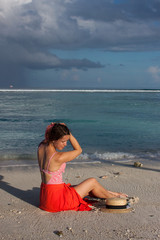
(109, 11)
(36, 59)
(43, 61)
(32, 29)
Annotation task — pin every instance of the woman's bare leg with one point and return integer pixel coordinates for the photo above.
(91, 186)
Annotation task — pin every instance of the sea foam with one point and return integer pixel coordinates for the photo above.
(83, 90)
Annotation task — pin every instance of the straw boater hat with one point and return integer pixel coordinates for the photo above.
(116, 205)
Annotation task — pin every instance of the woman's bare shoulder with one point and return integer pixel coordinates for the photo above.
(41, 149)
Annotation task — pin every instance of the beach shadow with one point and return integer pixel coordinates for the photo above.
(29, 196)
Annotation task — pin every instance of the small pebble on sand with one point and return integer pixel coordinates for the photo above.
(116, 173)
(104, 177)
(59, 233)
(70, 229)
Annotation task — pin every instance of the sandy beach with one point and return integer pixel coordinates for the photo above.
(22, 219)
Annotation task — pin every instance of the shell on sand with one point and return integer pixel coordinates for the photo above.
(133, 200)
(138, 164)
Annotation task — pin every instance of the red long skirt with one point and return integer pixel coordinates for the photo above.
(61, 197)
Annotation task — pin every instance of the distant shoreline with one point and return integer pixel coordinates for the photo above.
(85, 90)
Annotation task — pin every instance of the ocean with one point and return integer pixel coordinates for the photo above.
(110, 125)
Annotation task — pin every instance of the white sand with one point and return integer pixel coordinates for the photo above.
(22, 219)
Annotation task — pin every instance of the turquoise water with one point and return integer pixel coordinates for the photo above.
(108, 125)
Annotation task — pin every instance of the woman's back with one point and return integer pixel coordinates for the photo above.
(51, 170)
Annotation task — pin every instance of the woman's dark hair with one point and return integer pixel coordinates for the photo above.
(56, 131)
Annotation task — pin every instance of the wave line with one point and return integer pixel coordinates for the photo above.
(81, 90)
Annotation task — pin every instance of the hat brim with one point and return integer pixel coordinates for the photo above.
(126, 210)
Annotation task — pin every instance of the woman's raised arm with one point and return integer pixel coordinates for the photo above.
(70, 155)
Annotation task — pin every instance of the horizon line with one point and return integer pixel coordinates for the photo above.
(79, 90)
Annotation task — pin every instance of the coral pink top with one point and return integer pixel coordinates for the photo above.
(56, 176)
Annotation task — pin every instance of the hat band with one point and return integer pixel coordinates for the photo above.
(116, 207)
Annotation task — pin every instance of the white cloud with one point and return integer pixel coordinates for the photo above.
(89, 25)
(155, 72)
(21, 1)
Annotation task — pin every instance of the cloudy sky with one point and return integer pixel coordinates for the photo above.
(111, 44)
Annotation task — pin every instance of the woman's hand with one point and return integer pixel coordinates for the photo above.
(63, 124)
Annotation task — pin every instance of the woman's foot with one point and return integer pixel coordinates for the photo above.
(120, 195)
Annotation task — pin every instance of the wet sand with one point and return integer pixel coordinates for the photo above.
(22, 219)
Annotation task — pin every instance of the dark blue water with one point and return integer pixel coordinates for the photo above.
(108, 125)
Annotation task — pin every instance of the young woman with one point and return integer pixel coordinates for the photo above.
(55, 195)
